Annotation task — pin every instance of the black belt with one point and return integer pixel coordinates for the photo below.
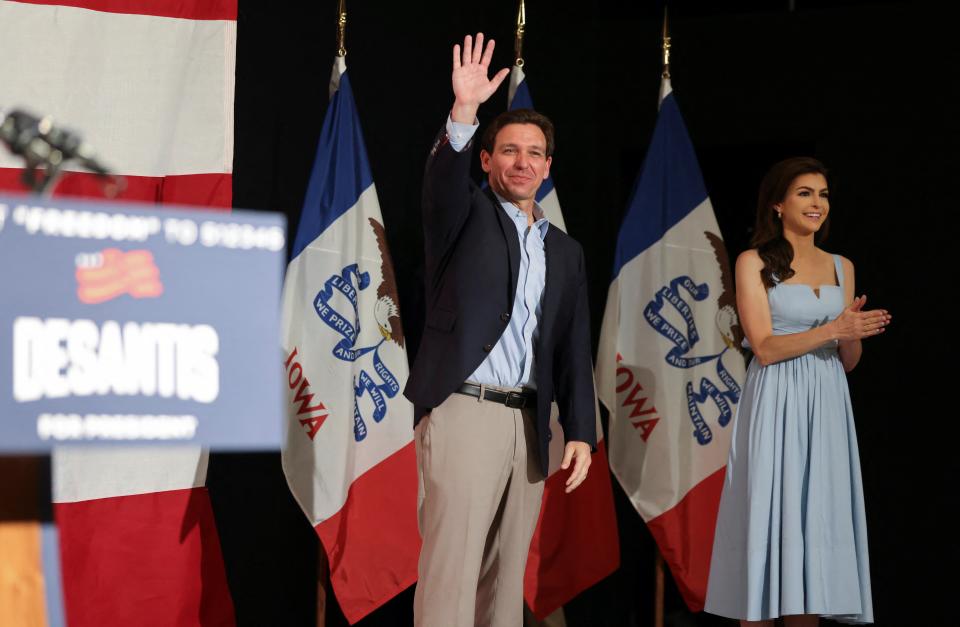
(513, 400)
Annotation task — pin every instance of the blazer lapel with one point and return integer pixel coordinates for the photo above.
(509, 231)
(551, 290)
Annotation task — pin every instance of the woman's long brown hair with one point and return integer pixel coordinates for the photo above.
(775, 251)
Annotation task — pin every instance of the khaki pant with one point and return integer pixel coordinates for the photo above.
(480, 493)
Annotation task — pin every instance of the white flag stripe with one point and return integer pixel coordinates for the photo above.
(655, 475)
(153, 95)
(516, 77)
(666, 88)
(334, 456)
(109, 472)
(551, 209)
(339, 67)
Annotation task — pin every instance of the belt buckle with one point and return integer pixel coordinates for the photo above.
(515, 400)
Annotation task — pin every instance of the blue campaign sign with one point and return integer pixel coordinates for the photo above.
(127, 323)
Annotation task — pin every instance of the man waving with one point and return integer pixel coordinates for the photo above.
(507, 332)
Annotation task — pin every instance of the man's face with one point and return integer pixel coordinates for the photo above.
(519, 163)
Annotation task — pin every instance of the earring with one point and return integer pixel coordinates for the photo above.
(780, 215)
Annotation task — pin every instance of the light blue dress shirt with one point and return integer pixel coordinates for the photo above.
(511, 362)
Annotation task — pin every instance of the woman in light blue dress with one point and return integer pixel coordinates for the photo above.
(791, 536)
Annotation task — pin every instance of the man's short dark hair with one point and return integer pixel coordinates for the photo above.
(517, 116)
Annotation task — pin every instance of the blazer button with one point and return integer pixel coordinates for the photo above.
(488, 348)
(505, 317)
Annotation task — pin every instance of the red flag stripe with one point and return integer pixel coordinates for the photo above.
(214, 191)
(125, 561)
(684, 534)
(575, 543)
(368, 540)
(185, 9)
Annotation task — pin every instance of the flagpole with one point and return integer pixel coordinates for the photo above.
(323, 578)
(323, 564)
(342, 28)
(557, 618)
(658, 560)
(659, 587)
(666, 46)
(518, 36)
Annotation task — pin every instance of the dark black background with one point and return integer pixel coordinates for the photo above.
(870, 88)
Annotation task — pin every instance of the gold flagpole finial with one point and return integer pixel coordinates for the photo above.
(342, 29)
(666, 46)
(518, 40)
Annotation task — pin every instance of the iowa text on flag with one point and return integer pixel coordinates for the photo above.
(349, 457)
(670, 365)
(575, 544)
(150, 85)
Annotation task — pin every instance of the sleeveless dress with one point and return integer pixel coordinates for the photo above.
(791, 535)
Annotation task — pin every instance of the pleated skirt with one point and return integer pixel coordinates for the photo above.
(791, 535)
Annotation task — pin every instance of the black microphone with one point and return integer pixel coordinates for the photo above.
(40, 142)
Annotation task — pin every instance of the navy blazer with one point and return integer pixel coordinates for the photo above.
(472, 262)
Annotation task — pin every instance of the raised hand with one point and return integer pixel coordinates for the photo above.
(471, 87)
(855, 324)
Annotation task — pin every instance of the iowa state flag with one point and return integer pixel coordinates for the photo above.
(151, 85)
(349, 457)
(669, 367)
(575, 544)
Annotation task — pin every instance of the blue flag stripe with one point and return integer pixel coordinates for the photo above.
(341, 171)
(523, 100)
(668, 187)
(521, 97)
